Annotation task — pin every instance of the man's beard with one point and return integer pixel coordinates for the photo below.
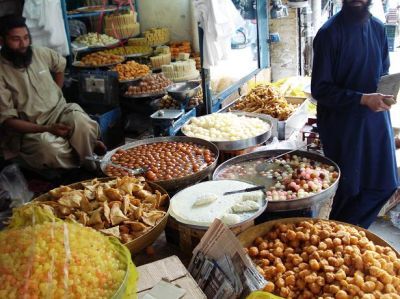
(357, 12)
(18, 59)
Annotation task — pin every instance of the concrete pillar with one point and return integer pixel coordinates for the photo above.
(316, 16)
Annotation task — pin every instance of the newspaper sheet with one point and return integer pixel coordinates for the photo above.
(390, 85)
(221, 267)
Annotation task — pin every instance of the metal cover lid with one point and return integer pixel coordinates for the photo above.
(167, 114)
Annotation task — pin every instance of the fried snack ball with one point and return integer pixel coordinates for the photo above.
(323, 259)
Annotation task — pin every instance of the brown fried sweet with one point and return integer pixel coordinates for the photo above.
(324, 259)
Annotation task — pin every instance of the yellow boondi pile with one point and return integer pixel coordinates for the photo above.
(58, 260)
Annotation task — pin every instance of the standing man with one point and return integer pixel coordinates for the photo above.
(350, 55)
(39, 126)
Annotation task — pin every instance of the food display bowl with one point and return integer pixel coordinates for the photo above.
(184, 90)
(247, 237)
(243, 143)
(176, 183)
(315, 200)
(137, 245)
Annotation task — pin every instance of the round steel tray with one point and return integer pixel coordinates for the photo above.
(146, 95)
(177, 183)
(182, 91)
(293, 204)
(244, 143)
(251, 215)
(80, 65)
(133, 55)
(247, 237)
(134, 79)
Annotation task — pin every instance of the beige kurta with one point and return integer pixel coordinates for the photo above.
(31, 94)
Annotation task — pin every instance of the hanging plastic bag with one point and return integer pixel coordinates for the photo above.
(12, 180)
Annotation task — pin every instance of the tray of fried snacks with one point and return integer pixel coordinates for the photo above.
(98, 59)
(128, 208)
(150, 86)
(267, 100)
(313, 258)
(131, 71)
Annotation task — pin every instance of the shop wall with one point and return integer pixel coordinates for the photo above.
(284, 55)
(174, 14)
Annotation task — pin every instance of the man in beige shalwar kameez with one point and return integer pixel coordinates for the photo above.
(39, 126)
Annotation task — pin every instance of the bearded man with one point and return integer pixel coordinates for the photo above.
(39, 126)
(350, 55)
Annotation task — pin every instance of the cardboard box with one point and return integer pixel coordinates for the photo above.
(171, 269)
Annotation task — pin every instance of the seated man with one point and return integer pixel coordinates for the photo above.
(37, 123)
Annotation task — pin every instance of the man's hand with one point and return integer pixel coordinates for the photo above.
(60, 130)
(374, 101)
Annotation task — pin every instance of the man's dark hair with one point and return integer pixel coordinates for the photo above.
(9, 22)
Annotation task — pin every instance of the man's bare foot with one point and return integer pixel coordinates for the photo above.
(397, 142)
(99, 148)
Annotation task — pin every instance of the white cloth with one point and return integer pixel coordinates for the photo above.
(45, 21)
(219, 20)
(376, 9)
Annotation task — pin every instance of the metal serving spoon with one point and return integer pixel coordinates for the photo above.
(264, 165)
(133, 171)
(245, 190)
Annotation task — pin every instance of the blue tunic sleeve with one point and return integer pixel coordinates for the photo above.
(385, 56)
(323, 88)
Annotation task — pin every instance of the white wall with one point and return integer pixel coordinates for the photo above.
(174, 14)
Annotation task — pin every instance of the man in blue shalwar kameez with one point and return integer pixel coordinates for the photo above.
(350, 55)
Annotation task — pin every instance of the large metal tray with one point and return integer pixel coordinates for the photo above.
(244, 143)
(146, 95)
(79, 64)
(293, 204)
(282, 129)
(174, 184)
(246, 217)
(134, 79)
(247, 237)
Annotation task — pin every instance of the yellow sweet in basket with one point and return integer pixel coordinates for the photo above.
(262, 295)
(44, 257)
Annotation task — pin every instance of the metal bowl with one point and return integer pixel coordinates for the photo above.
(182, 91)
(177, 183)
(244, 143)
(293, 204)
